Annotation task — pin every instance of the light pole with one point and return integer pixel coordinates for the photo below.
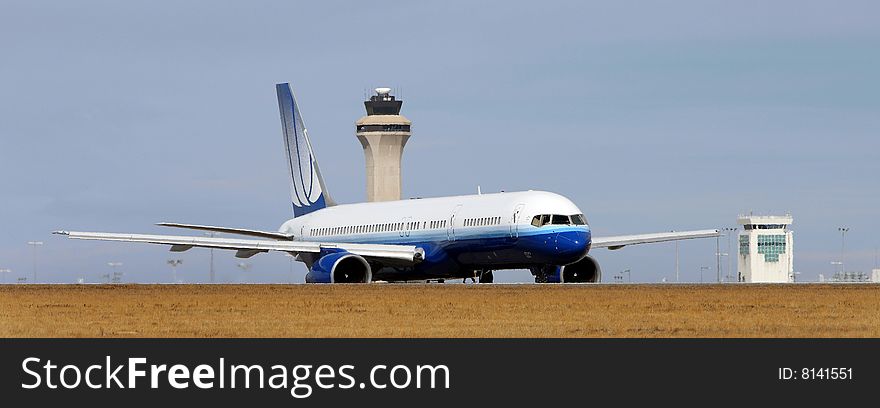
(730, 232)
(5, 271)
(116, 275)
(211, 273)
(875, 257)
(703, 268)
(676, 260)
(718, 258)
(34, 245)
(174, 263)
(725, 278)
(839, 264)
(843, 231)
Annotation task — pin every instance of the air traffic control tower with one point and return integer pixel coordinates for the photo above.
(383, 133)
(766, 249)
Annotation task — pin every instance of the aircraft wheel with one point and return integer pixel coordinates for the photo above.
(486, 277)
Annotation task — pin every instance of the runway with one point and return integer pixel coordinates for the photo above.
(440, 310)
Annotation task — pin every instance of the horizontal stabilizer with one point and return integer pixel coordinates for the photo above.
(225, 230)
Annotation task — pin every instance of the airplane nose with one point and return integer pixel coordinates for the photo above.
(572, 243)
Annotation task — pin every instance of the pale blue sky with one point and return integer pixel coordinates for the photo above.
(651, 116)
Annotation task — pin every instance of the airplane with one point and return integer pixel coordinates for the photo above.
(426, 239)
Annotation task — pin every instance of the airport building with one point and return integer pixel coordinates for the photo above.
(852, 277)
(383, 134)
(766, 250)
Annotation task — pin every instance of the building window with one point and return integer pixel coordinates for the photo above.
(743, 244)
(771, 246)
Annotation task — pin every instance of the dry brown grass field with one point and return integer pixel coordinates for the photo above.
(437, 310)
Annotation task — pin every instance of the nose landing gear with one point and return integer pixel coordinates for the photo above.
(486, 276)
(481, 277)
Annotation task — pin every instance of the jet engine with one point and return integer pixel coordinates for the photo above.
(340, 267)
(586, 270)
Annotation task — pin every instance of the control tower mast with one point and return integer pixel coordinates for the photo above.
(383, 133)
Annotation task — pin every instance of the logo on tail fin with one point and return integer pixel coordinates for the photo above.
(307, 190)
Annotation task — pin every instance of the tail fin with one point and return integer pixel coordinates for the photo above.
(307, 191)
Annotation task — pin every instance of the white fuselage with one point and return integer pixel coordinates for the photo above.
(490, 231)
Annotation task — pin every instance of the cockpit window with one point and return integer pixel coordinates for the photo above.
(578, 219)
(558, 219)
(561, 220)
(541, 220)
(536, 221)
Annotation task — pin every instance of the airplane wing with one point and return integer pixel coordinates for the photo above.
(246, 248)
(621, 241)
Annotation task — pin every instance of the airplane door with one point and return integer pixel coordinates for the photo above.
(515, 220)
(404, 229)
(450, 226)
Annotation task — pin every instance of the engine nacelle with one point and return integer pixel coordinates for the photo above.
(586, 270)
(340, 267)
